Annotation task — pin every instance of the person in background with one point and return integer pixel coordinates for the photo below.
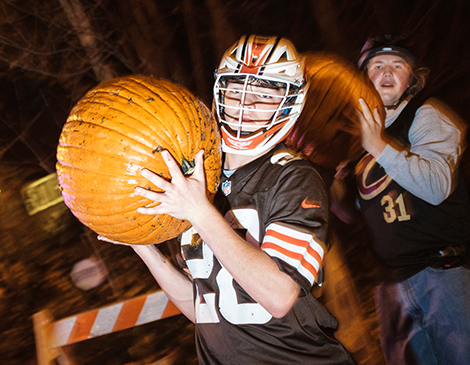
(415, 205)
(254, 255)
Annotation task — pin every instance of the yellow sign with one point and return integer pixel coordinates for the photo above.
(41, 194)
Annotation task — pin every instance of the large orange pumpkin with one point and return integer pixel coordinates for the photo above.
(328, 130)
(115, 130)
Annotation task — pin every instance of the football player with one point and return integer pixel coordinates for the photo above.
(253, 255)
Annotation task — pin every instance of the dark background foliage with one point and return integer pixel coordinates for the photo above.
(53, 51)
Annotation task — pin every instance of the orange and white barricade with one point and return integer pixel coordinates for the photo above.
(51, 335)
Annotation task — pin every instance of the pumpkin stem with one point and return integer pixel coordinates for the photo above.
(187, 167)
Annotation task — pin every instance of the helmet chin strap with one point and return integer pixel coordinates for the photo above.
(394, 106)
(397, 104)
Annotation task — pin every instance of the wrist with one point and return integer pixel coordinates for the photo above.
(149, 252)
(206, 218)
(200, 212)
(377, 149)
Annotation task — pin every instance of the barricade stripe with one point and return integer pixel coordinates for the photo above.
(129, 314)
(170, 310)
(112, 318)
(82, 327)
(105, 320)
(153, 308)
(61, 331)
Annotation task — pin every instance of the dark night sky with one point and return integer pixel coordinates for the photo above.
(46, 63)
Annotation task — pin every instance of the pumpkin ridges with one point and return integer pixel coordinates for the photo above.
(187, 151)
(212, 138)
(109, 225)
(135, 152)
(140, 135)
(81, 177)
(86, 117)
(74, 178)
(80, 137)
(163, 109)
(193, 116)
(104, 221)
(173, 120)
(109, 222)
(200, 143)
(136, 98)
(100, 126)
(86, 208)
(69, 184)
(81, 170)
(205, 112)
(200, 115)
(171, 99)
(156, 230)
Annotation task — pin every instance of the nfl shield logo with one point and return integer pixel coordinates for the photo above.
(227, 187)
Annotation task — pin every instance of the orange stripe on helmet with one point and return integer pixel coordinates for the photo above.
(249, 70)
(256, 53)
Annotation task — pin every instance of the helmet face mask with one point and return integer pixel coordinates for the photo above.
(258, 94)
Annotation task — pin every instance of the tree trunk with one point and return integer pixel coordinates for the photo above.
(81, 23)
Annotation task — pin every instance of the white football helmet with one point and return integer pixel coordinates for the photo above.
(264, 75)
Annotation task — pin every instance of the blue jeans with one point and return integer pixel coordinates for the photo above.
(426, 318)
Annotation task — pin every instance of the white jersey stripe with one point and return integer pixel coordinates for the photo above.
(295, 263)
(298, 251)
(288, 231)
(300, 258)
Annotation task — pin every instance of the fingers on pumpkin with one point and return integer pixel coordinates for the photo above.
(199, 166)
(173, 167)
(365, 108)
(145, 193)
(377, 116)
(154, 178)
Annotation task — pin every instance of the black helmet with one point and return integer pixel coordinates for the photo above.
(387, 45)
(384, 45)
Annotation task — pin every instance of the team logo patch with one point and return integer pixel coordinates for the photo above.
(227, 187)
(371, 178)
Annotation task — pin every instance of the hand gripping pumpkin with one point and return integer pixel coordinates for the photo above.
(328, 130)
(115, 130)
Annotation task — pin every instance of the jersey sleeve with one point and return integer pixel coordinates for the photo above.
(427, 168)
(295, 233)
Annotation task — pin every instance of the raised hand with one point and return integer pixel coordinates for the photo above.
(182, 197)
(372, 129)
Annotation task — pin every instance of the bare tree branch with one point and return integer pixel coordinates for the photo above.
(81, 23)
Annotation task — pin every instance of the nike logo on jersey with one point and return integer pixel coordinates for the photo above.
(307, 204)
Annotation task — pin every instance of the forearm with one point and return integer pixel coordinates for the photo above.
(427, 168)
(430, 179)
(176, 285)
(252, 268)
